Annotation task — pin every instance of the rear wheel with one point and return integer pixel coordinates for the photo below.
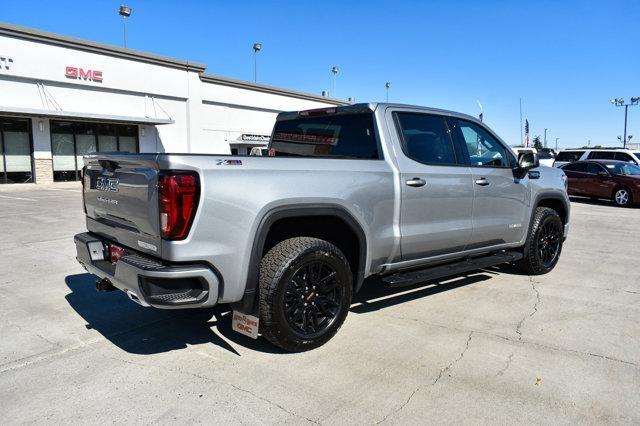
(622, 197)
(544, 243)
(305, 293)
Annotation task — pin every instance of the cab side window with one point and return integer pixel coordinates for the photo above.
(602, 155)
(594, 168)
(623, 156)
(484, 149)
(426, 138)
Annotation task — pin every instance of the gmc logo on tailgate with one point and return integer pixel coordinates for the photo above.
(107, 184)
(82, 74)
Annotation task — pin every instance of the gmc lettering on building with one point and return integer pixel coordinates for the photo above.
(77, 73)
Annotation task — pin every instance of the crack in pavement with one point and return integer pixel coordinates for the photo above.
(521, 342)
(455, 361)
(442, 371)
(506, 367)
(217, 382)
(534, 310)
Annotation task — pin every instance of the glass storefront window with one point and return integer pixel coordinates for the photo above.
(15, 151)
(71, 140)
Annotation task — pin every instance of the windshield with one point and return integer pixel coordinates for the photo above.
(545, 154)
(625, 169)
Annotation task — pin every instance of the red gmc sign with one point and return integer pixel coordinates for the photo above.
(82, 74)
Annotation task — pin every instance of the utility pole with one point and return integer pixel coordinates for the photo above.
(621, 102)
(125, 11)
(557, 145)
(521, 136)
(387, 85)
(545, 137)
(256, 48)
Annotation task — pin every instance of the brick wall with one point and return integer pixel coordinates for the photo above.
(44, 170)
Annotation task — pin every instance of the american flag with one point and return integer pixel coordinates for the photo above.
(526, 133)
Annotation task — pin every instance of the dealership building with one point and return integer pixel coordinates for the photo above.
(62, 98)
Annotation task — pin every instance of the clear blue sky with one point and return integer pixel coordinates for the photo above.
(565, 59)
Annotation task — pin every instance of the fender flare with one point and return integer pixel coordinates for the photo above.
(249, 304)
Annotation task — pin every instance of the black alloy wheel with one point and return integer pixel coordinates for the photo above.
(548, 244)
(543, 246)
(312, 298)
(305, 293)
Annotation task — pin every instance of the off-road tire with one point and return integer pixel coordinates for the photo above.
(617, 200)
(277, 270)
(532, 263)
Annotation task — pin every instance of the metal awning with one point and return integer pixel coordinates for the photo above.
(68, 115)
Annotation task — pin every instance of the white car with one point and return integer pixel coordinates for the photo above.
(546, 155)
(570, 155)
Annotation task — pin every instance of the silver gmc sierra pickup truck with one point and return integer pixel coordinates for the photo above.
(402, 193)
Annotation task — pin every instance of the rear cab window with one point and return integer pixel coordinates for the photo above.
(325, 134)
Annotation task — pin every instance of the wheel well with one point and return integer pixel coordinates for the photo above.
(556, 205)
(329, 228)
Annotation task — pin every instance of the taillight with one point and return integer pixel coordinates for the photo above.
(178, 194)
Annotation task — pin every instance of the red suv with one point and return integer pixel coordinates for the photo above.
(614, 180)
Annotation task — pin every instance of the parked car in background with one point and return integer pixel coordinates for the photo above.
(618, 181)
(545, 155)
(570, 155)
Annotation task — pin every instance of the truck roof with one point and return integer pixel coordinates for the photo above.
(370, 106)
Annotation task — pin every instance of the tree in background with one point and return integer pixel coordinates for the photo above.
(537, 144)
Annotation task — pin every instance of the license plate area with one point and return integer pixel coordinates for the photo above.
(96, 250)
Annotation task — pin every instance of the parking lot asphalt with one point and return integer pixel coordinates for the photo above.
(490, 347)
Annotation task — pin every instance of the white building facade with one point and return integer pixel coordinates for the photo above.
(62, 97)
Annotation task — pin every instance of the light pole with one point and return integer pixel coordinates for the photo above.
(125, 11)
(481, 116)
(545, 137)
(256, 48)
(387, 86)
(334, 70)
(557, 145)
(620, 102)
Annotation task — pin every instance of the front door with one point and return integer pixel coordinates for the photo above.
(500, 198)
(436, 188)
(600, 182)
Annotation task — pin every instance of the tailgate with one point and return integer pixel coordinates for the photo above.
(121, 199)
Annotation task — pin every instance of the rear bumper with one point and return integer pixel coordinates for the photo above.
(149, 282)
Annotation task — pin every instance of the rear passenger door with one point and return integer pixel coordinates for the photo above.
(500, 199)
(437, 190)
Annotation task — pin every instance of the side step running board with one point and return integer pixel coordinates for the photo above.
(402, 279)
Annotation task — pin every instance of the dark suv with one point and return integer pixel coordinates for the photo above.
(614, 180)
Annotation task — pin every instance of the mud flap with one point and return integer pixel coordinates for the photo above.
(245, 324)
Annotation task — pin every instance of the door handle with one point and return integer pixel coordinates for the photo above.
(482, 182)
(416, 182)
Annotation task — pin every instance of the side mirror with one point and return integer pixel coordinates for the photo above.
(528, 160)
(602, 173)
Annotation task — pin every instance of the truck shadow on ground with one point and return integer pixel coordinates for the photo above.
(145, 331)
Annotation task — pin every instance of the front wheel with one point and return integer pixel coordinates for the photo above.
(544, 243)
(622, 197)
(305, 293)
